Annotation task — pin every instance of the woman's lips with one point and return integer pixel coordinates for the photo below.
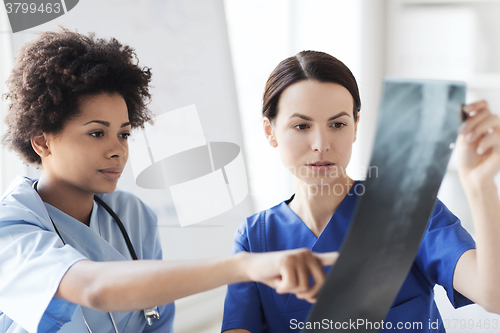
(321, 166)
(111, 174)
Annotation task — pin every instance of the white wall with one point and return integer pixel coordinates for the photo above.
(263, 33)
(186, 45)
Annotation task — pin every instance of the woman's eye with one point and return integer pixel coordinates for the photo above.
(301, 126)
(338, 125)
(124, 135)
(97, 134)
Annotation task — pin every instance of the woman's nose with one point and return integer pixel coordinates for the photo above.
(118, 149)
(320, 142)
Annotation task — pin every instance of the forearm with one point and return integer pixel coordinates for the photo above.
(136, 285)
(485, 206)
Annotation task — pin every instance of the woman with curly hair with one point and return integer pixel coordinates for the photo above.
(67, 239)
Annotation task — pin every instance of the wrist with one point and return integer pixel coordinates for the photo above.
(241, 266)
(477, 188)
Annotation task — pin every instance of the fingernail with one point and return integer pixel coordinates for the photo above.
(472, 113)
(490, 130)
(468, 137)
(480, 150)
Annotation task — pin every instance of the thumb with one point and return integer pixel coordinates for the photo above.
(327, 259)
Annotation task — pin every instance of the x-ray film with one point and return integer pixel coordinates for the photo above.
(418, 124)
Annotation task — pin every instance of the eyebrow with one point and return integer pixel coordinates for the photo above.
(343, 113)
(105, 123)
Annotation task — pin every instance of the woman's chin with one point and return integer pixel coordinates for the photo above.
(105, 189)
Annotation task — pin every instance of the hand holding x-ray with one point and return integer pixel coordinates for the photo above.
(479, 145)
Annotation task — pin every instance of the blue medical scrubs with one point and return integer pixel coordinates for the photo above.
(33, 261)
(258, 308)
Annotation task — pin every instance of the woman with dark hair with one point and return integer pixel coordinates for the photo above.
(311, 114)
(67, 239)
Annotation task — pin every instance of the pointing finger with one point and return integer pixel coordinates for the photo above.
(328, 258)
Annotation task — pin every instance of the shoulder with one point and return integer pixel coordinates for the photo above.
(254, 222)
(19, 192)
(445, 235)
(442, 216)
(21, 203)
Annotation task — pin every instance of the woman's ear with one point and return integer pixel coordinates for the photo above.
(269, 132)
(356, 129)
(40, 146)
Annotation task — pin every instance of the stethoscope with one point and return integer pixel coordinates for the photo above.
(149, 314)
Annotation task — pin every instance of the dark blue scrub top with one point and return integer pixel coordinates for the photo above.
(258, 308)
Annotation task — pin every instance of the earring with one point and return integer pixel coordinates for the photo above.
(273, 142)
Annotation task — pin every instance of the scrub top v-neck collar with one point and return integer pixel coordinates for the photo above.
(336, 227)
(60, 215)
(86, 239)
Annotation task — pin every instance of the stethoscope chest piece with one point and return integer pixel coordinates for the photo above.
(149, 314)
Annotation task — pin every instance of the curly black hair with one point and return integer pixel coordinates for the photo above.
(53, 71)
